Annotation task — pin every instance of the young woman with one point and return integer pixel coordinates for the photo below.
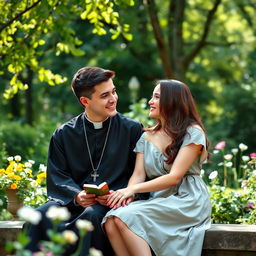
(168, 163)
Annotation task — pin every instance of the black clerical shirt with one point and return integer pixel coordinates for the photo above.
(69, 165)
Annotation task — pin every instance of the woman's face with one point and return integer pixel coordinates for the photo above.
(154, 103)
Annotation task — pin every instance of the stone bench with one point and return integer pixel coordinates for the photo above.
(220, 240)
(8, 232)
(230, 240)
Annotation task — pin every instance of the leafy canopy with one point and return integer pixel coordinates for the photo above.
(30, 29)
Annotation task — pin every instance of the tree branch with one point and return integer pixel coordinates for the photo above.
(161, 45)
(226, 44)
(245, 15)
(19, 15)
(202, 42)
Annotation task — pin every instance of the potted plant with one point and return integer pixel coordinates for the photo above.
(20, 182)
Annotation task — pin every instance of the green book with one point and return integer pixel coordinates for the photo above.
(99, 190)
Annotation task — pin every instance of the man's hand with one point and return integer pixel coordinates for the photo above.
(85, 200)
(102, 199)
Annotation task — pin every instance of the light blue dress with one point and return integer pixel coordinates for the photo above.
(172, 221)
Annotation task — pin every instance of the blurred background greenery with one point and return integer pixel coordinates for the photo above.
(209, 44)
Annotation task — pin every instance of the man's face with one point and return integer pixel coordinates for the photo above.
(102, 103)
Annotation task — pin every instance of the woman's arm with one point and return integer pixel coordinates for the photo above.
(184, 159)
(139, 174)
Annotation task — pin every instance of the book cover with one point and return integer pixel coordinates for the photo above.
(99, 190)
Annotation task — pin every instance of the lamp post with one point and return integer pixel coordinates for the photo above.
(134, 86)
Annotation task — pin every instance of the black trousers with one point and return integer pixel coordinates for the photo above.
(96, 239)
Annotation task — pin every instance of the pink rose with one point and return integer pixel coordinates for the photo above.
(220, 145)
(253, 155)
(250, 205)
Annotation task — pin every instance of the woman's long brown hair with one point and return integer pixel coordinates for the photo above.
(178, 110)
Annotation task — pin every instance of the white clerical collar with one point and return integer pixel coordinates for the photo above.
(97, 125)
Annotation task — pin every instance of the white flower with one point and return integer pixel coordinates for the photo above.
(28, 165)
(216, 151)
(42, 167)
(228, 156)
(34, 183)
(95, 252)
(58, 213)
(17, 158)
(70, 236)
(229, 164)
(220, 164)
(31, 161)
(40, 191)
(213, 175)
(26, 171)
(10, 158)
(234, 150)
(202, 172)
(245, 158)
(243, 146)
(29, 214)
(1, 202)
(84, 225)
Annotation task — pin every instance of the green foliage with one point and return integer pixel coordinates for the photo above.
(30, 29)
(232, 185)
(139, 112)
(30, 142)
(3, 153)
(24, 140)
(234, 206)
(4, 214)
(102, 12)
(227, 205)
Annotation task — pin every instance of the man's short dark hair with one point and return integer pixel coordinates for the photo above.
(86, 78)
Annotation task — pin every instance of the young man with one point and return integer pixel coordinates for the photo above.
(94, 147)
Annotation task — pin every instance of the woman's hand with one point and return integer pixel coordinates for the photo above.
(120, 197)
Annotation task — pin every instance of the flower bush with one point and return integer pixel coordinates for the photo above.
(231, 167)
(232, 186)
(19, 175)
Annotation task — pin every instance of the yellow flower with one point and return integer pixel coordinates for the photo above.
(11, 175)
(13, 186)
(41, 175)
(17, 177)
(29, 172)
(9, 169)
(39, 181)
(19, 167)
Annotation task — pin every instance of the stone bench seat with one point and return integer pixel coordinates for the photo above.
(220, 239)
(230, 240)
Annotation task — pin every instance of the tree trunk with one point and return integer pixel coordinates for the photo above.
(15, 106)
(161, 44)
(29, 97)
(175, 37)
